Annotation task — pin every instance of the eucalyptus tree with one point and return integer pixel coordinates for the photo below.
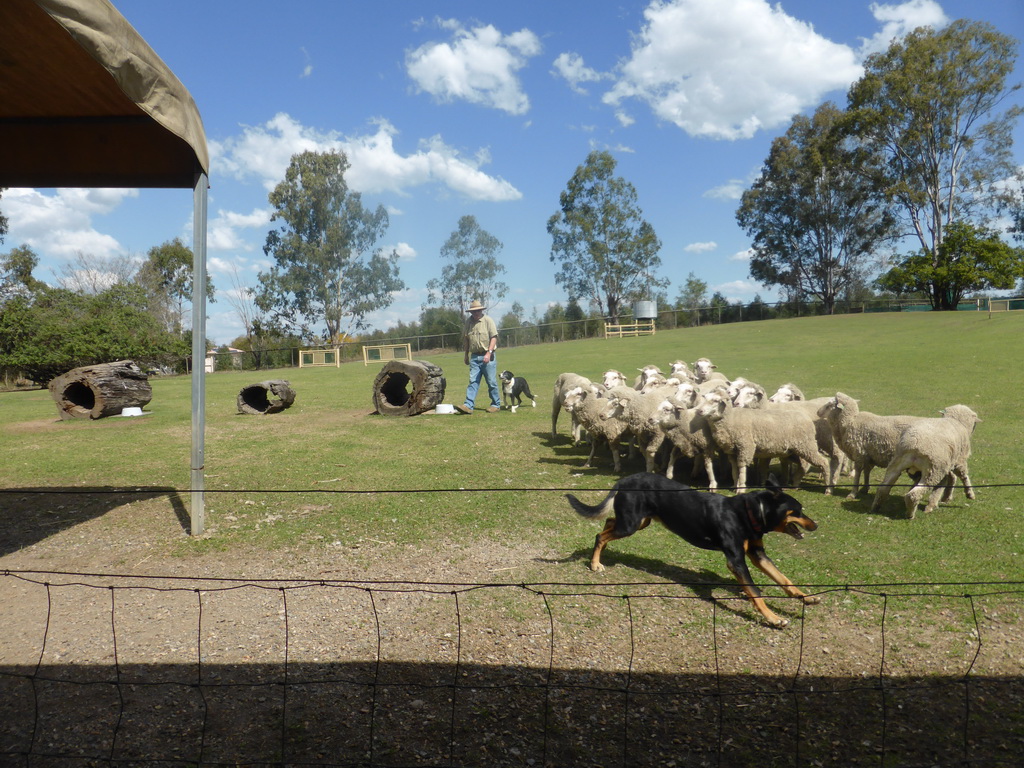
(328, 271)
(471, 269)
(934, 106)
(607, 253)
(814, 216)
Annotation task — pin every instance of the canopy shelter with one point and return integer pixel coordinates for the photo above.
(85, 102)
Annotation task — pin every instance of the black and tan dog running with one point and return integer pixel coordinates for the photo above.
(733, 525)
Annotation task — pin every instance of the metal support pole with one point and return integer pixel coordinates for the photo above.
(198, 482)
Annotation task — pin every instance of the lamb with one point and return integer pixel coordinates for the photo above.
(747, 434)
(689, 434)
(591, 409)
(867, 439)
(564, 383)
(937, 449)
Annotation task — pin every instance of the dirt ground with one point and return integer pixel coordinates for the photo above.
(371, 653)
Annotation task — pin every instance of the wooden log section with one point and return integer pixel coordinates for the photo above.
(266, 397)
(105, 389)
(408, 388)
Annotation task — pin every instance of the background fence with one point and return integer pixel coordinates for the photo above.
(594, 327)
(142, 671)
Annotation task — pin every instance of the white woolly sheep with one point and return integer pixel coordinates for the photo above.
(637, 408)
(646, 374)
(867, 439)
(563, 384)
(704, 370)
(751, 395)
(935, 448)
(688, 432)
(747, 434)
(681, 370)
(602, 426)
(612, 378)
(787, 393)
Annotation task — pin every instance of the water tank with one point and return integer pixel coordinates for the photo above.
(645, 310)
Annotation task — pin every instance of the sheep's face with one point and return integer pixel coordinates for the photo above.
(702, 369)
(685, 395)
(784, 394)
(714, 405)
(574, 397)
(653, 381)
(614, 408)
(748, 396)
(664, 413)
(613, 378)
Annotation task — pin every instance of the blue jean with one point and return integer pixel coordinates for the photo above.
(489, 371)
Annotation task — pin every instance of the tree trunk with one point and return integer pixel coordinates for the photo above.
(408, 388)
(256, 398)
(95, 391)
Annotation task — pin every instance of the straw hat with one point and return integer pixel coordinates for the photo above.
(475, 305)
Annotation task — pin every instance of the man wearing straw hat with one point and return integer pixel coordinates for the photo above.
(480, 339)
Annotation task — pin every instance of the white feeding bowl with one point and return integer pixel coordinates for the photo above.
(131, 411)
(444, 408)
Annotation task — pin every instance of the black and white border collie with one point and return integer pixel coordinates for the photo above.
(513, 388)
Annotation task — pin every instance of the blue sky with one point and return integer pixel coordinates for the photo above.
(483, 108)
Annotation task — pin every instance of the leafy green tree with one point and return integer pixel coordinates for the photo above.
(327, 269)
(692, 296)
(513, 318)
(968, 260)
(16, 273)
(167, 277)
(471, 270)
(815, 218)
(931, 105)
(49, 331)
(607, 252)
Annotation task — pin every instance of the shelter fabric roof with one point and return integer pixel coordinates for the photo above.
(85, 102)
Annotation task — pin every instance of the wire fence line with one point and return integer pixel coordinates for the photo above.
(138, 670)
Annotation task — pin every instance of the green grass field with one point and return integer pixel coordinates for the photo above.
(327, 468)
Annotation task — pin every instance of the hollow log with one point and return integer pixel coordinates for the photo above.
(95, 391)
(408, 388)
(266, 397)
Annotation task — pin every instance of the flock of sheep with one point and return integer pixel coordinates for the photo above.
(699, 414)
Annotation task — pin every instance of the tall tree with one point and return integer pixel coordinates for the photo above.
(814, 217)
(931, 105)
(607, 252)
(167, 277)
(16, 273)
(90, 274)
(3, 219)
(969, 260)
(471, 268)
(692, 297)
(328, 272)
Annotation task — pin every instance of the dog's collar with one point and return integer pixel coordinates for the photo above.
(750, 516)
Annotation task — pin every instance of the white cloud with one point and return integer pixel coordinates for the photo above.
(224, 231)
(60, 224)
(571, 68)
(898, 20)
(264, 152)
(405, 251)
(737, 290)
(725, 69)
(701, 247)
(744, 255)
(478, 65)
